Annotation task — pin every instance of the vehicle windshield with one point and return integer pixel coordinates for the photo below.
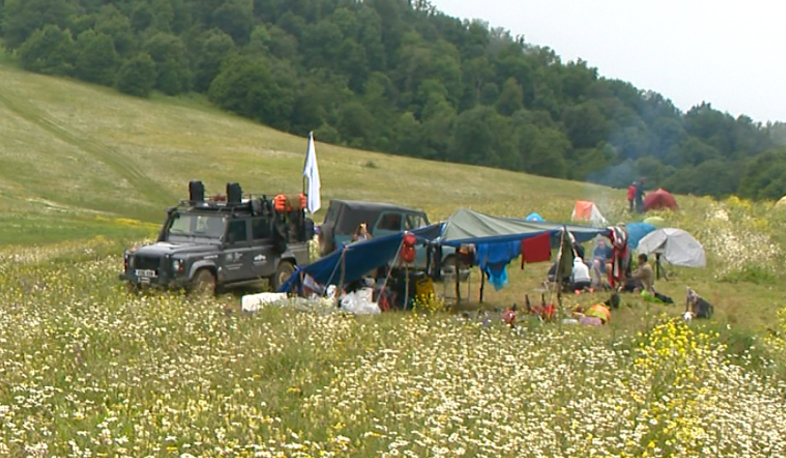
(197, 225)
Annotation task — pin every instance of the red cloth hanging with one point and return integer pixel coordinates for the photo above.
(619, 245)
(536, 249)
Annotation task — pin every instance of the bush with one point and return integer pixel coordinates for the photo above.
(49, 51)
(137, 76)
(96, 58)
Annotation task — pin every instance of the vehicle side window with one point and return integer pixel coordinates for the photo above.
(414, 221)
(260, 229)
(390, 222)
(236, 232)
(211, 226)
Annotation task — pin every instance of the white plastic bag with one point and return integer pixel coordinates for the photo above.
(252, 302)
(359, 303)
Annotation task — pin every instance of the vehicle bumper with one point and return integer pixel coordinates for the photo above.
(153, 282)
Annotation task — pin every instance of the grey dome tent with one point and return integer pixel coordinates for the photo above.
(675, 246)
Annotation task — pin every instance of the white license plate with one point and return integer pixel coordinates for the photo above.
(145, 273)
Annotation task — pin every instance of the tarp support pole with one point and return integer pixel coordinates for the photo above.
(657, 266)
(406, 286)
(559, 278)
(458, 280)
(482, 285)
(341, 278)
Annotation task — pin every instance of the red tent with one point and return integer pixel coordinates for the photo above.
(659, 199)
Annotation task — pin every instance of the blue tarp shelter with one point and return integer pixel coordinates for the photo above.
(359, 258)
(465, 226)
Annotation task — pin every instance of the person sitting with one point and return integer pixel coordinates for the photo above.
(552, 276)
(601, 258)
(552, 273)
(601, 255)
(643, 278)
(580, 277)
(361, 233)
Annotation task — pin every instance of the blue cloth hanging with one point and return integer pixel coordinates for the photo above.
(497, 274)
(493, 259)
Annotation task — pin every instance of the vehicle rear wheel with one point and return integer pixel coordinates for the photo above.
(203, 284)
(284, 270)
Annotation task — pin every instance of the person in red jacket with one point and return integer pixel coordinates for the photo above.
(631, 196)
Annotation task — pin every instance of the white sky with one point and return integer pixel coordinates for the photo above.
(730, 54)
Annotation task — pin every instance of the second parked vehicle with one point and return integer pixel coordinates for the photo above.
(344, 216)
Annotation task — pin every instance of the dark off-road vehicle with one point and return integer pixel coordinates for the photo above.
(219, 242)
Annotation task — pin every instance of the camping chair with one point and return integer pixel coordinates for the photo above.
(449, 281)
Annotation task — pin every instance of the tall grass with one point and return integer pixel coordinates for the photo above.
(90, 370)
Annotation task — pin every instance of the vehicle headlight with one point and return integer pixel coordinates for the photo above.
(178, 265)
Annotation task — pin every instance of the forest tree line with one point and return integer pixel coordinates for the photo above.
(399, 76)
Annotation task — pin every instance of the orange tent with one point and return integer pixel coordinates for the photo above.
(585, 210)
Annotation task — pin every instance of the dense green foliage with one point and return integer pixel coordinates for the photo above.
(401, 77)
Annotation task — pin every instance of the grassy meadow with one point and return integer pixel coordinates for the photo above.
(88, 370)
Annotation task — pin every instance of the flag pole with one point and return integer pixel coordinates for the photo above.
(305, 162)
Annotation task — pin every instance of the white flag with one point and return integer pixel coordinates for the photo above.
(311, 171)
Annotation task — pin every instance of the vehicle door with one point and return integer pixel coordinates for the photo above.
(415, 221)
(329, 232)
(263, 254)
(237, 251)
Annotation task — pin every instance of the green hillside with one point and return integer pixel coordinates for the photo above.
(91, 150)
(400, 76)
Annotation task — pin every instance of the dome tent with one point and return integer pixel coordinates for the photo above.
(660, 199)
(637, 231)
(675, 246)
(534, 217)
(585, 210)
(656, 221)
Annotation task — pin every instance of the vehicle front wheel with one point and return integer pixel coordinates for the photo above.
(203, 284)
(284, 270)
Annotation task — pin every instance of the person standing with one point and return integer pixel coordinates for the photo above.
(631, 196)
(639, 196)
